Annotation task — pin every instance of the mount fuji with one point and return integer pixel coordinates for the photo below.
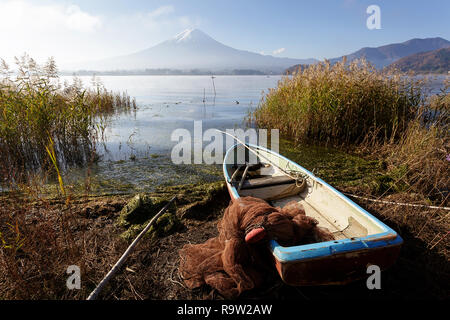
(194, 49)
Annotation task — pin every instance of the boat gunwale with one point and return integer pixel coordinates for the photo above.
(328, 248)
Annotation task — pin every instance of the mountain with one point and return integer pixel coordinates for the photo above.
(194, 49)
(436, 61)
(294, 69)
(388, 54)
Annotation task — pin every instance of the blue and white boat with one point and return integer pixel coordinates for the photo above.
(360, 239)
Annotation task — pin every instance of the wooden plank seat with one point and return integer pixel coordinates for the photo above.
(266, 182)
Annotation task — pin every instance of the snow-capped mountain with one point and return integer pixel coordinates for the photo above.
(194, 49)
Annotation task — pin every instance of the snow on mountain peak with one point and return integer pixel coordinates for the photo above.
(183, 35)
(192, 35)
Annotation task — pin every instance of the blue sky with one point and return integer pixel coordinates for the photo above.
(76, 30)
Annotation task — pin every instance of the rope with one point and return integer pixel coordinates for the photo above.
(289, 174)
(397, 203)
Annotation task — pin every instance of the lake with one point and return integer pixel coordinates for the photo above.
(166, 103)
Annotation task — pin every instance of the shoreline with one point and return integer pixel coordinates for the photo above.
(108, 224)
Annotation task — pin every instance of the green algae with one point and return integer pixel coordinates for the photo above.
(335, 166)
(136, 214)
(344, 169)
(194, 201)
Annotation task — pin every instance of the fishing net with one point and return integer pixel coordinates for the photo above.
(230, 264)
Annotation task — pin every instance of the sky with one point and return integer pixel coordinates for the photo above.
(84, 30)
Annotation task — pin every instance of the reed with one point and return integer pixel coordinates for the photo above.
(36, 107)
(344, 103)
(386, 115)
(423, 151)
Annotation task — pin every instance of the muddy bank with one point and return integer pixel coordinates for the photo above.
(40, 239)
(421, 272)
(92, 232)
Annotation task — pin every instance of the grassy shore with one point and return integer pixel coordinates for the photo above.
(367, 133)
(40, 239)
(399, 133)
(384, 115)
(46, 125)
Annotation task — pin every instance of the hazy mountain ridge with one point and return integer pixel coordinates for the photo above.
(193, 49)
(436, 61)
(387, 54)
(390, 54)
(195, 52)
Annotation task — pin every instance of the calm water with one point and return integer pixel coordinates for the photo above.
(166, 103)
(170, 102)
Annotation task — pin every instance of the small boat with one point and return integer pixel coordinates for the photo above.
(360, 239)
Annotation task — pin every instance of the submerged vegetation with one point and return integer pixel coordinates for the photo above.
(41, 117)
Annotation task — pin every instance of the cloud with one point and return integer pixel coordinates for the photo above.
(78, 20)
(161, 11)
(22, 16)
(278, 51)
(71, 34)
(159, 20)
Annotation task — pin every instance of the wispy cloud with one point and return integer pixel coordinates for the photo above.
(23, 16)
(161, 11)
(76, 19)
(71, 33)
(278, 51)
(158, 20)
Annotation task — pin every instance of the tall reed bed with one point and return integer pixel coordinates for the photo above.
(37, 112)
(387, 114)
(341, 103)
(422, 153)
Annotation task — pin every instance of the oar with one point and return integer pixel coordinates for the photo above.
(119, 263)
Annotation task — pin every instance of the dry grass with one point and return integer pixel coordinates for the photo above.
(384, 114)
(341, 104)
(39, 240)
(422, 153)
(45, 237)
(36, 109)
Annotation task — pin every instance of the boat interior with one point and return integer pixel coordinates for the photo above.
(284, 182)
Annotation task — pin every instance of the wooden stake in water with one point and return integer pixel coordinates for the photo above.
(119, 263)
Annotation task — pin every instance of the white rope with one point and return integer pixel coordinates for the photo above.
(348, 194)
(397, 203)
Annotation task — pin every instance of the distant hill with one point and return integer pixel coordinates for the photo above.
(193, 49)
(388, 54)
(436, 61)
(295, 68)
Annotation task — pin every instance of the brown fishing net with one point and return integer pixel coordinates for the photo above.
(231, 265)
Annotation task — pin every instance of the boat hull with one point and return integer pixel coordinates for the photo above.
(336, 269)
(332, 262)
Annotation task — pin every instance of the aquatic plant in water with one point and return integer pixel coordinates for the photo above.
(35, 108)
